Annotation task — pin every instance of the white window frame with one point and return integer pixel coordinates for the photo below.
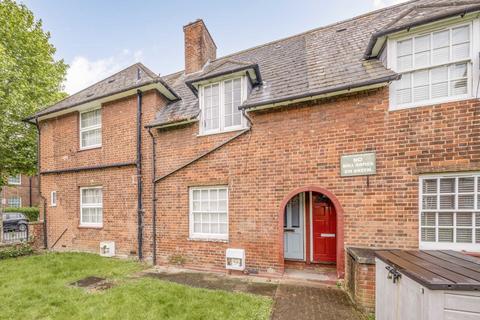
(91, 128)
(472, 63)
(15, 197)
(427, 245)
(15, 180)
(221, 101)
(82, 205)
(206, 236)
(53, 199)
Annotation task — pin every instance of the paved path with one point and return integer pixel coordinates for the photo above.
(291, 301)
(322, 303)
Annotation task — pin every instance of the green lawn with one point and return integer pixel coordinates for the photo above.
(37, 287)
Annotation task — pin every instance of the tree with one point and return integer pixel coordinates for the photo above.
(30, 78)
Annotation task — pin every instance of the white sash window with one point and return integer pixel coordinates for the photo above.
(91, 129)
(91, 207)
(436, 67)
(209, 213)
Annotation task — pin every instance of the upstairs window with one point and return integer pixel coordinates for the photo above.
(450, 212)
(15, 180)
(219, 103)
(435, 67)
(91, 129)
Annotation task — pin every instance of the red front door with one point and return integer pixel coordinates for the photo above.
(324, 227)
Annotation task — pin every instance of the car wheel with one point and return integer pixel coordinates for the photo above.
(22, 227)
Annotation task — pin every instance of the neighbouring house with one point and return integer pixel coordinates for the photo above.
(20, 191)
(363, 133)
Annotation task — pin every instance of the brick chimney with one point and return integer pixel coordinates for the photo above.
(199, 46)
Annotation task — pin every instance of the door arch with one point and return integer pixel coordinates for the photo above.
(340, 254)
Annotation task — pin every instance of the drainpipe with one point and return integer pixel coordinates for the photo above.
(45, 237)
(30, 191)
(139, 175)
(154, 197)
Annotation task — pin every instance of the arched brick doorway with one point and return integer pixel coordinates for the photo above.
(340, 252)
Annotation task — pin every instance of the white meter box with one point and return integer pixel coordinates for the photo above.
(235, 259)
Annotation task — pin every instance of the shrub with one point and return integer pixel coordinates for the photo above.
(15, 251)
(32, 213)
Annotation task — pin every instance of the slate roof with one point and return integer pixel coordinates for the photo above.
(134, 76)
(319, 61)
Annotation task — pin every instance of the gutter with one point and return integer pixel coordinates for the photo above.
(373, 40)
(315, 94)
(139, 175)
(154, 197)
(45, 237)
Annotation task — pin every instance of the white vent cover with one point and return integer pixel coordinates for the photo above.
(235, 259)
(107, 248)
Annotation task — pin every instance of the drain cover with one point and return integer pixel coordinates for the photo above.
(87, 282)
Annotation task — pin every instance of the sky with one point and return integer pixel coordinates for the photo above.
(99, 38)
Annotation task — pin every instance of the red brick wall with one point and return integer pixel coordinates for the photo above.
(22, 191)
(60, 150)
(301, 145)
(360, 283)
(35, 234)
(286, 149)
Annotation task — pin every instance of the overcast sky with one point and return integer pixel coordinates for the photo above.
(98, 38)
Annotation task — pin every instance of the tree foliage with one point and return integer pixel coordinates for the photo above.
(30, 79)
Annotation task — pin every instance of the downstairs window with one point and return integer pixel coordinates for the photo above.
(450, 212)
(209, 213)
(91, 207)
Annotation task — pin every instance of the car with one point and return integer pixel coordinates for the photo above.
(14, 221)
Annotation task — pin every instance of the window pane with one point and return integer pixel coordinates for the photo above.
(91, 137)
(428, 219)
(89, 119)
(92, 196)
(422, 51)
(461, 43)
(447, 202)
(445, 219)
(429, 186)
(466, 185)
(441, 47)
(428, 234)
(439, 82)
(421, 81)
(429, 202)
(466, 201)
(464, 219)
(404, 63)
(459, 87)
(447, 185)
(464, 235)
(445, 235)
(404, 89)
(14, 179)
(404, 47)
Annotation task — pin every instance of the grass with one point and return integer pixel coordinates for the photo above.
(37, 287)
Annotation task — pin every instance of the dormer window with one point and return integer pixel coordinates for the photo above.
(436, 67)
(219, 104)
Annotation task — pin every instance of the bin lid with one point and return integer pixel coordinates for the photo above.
(435, 269)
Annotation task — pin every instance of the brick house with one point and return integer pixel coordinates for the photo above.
(361, 133)
(20, 191)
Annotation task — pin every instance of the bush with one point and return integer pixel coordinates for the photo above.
(15, 251)
(32, 213)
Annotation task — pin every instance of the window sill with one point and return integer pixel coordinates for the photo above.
(468, 247)
(220, 132)
(207, 239)
(89, 148)
(82, 226)
(430, 103)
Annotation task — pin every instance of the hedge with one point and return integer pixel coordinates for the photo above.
(15, 251)
(32, 213)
